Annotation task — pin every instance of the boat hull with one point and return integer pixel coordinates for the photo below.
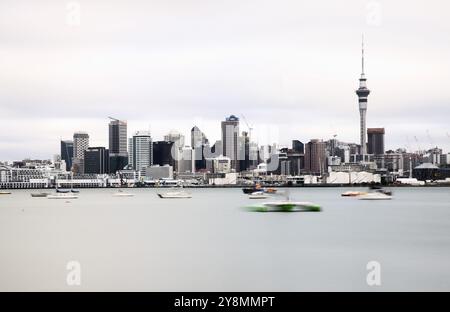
(62, 197)
(286, 207)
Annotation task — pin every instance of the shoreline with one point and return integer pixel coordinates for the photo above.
(248, 186)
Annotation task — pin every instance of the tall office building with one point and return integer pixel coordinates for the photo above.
(199, 142)
(96, 160)
(230, 134)
(162, 153)
(118, 137)
(67, 153)
(362, 92)
(140, 155)
(298, 146)
(375, 138)
(118, 155)
(244, 151)
(80, 144)
(315, 157)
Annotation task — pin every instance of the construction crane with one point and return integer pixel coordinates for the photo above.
(112, 118)
(250, 128)
(417, 142)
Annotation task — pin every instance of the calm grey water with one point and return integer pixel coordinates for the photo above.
(145, 243)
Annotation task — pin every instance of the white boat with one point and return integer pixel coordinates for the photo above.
(285, 206)
(258, 195)
(175, 194)
(62, 196)
(353, 194)
(5, 193)
(121, 193)
(375, 196)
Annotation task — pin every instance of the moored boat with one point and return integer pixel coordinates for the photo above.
(174, 194)
(5, 193)
(352, 194)
(62, 196)
(258, 195)
(375, 196)
(42, 194)
(286, 206)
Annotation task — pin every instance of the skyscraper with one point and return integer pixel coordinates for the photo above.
(80, 144)
(230, 134)
(67, 153)
(315, 156)
(375, 138)
(162, 153)
(117, 137)
(118, 155)
(198, 143)
(96, 160)
(140, 154)
(362, 92)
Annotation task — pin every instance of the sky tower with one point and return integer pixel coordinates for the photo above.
(362, 93)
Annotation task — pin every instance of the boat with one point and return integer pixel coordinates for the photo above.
(62, 191)
(249, 190)
(270, 190)
(352, 194)
(121, 193)
(175, 194)
(286, 206)
(258, 195)
(62, 196)
(257, 188)
(42, 194)
(5, 193)
(375, 196)
(380, 189)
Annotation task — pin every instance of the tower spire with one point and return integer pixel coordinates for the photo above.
(362, 55)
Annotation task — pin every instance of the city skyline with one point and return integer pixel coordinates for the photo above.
(294, 72)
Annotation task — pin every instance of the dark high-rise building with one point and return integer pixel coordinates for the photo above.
(230, 134)
(162, 153)
(375, 138)
(118, 155)
(362, 92)
(298, 146)
(117, 163)
(96, 160)
(244, 152)
(118, 137)
(315, 156)
(67, 153)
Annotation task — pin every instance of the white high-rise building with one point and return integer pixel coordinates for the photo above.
(140, 154)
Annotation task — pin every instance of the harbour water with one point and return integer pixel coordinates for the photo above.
(209, 243)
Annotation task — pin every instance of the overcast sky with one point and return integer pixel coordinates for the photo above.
(290, 66)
